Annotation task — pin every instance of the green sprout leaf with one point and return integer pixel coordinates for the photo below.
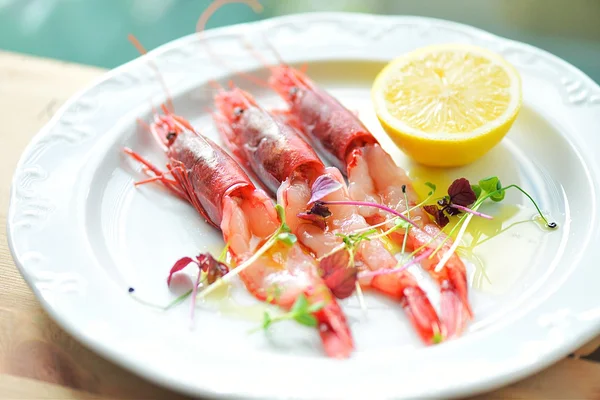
(353, 239)
(300, 305)
(401, 224)
(280, 213)
(301, 312)
(476, 190)
(499, 196)
(318, 306)
(287, 238)
(491, 185)
(432, 187)
(306, 320)
(266, 320)
(285, 228)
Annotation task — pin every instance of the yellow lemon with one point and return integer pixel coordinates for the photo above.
(447, 105)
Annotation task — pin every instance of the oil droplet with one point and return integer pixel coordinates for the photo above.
(222, 299)
(391, 245)
(503, 248)
(500, 249)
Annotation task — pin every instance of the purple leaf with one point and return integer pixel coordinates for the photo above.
(323, 186)
(314, 218)
(451, 210)
(440, 218)
(317, 214)
(339, 259)
(461, 193)
(179, 265)
(339, 276)
(214, 269)
(319, 208)
(342, 282)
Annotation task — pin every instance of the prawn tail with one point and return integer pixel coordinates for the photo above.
(455, 308)
(422, 315)
(334, 331)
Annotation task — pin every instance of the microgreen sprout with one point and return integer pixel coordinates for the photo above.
(488, 188)
(408, 216)
(431, 186)
(209, 270)
(301, 312)
(461, 194)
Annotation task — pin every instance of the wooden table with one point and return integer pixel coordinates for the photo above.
(39, 360)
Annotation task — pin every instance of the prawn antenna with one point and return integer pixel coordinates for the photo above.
(136, 43)
(201, 27)
(278, 56)
(215, 85)
(256, 54)
(215, 5)
(273, 49)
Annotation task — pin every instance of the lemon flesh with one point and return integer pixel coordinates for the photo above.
(447, 105)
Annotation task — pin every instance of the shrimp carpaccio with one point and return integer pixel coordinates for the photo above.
(287, 165)
(373, 177)
(200, 172)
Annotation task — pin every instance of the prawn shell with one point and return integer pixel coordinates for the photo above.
(212, 172)
(330, 127)
(273, 149)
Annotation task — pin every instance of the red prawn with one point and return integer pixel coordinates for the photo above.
(372, 176)
(287, 164)
(200, 172)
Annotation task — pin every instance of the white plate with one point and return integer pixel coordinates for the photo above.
(81, 234)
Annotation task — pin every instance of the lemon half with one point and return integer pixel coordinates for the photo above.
(447, 105)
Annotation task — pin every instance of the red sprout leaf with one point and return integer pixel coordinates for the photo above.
(461, 192)
(317, 214)
(323, 186)
(438, 214)
(342, 282)
(339, 276)
(179, 265)
(333, 262)
(314, 218)
(207, 263)
(214, 269)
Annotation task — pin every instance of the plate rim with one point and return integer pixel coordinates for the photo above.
(96, 344)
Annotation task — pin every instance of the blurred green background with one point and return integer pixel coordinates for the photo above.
(95, 31)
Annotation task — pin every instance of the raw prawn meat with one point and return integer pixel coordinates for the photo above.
(200, 172)
(287, 165)
(373, 177)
